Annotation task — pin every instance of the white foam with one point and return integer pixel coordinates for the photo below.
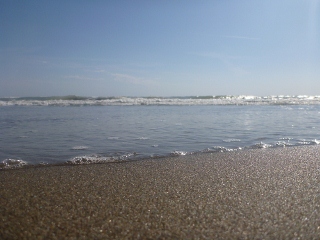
(262, 145)
(285, 138)
(283, 144)
(90, 159)
(309, 142)
(99, 159)
(178, 153)
(80, 147)
(205, 100)
(142, 138)
(222, 149)
(232, 140)
(12, 163)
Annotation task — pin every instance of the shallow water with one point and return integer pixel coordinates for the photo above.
(85, 134)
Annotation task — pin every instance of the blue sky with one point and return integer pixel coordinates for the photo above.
(159, 48)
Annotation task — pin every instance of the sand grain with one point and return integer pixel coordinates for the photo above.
(252, 194)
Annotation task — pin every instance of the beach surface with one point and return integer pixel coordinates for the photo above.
(248, 194)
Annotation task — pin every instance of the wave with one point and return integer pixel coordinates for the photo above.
(72, 100)
(132, 156)
(12, 163)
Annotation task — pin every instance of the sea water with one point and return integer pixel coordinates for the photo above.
(77, 130)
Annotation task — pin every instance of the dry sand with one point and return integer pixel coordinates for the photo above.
(250, 194)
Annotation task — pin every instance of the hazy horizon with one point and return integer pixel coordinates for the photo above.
(155, 96)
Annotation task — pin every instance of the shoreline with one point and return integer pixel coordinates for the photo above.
(259, 193)
(25, 165)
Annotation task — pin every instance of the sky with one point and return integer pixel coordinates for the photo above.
(159, 48)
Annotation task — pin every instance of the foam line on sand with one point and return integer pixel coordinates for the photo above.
(249, 194)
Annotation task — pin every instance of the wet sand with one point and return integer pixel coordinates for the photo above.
(249, 194)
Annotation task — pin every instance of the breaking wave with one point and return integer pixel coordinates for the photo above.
(123, 157)
(12, 163)
(187, 100)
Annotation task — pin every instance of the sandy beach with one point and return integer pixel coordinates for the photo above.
(249, 194)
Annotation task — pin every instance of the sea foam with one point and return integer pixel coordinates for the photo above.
(187, 100)
(12, 163)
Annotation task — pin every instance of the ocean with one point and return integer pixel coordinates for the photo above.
(86, 130)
